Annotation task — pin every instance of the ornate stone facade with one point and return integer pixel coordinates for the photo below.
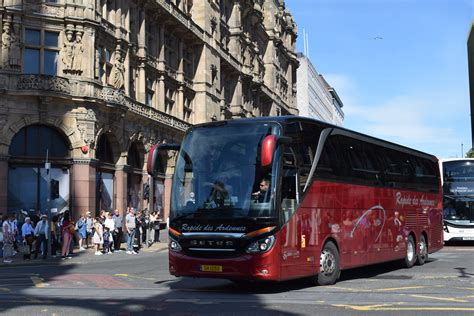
(137, 72)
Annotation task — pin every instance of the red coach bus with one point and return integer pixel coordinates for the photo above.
(279, 198)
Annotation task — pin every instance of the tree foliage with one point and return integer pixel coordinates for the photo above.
(470, 153)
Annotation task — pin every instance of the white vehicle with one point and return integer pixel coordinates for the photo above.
(458, 198)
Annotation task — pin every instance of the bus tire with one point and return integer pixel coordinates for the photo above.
(329, 270)
(410, 256)
(422, 251)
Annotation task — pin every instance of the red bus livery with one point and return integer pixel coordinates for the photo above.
(279, 198)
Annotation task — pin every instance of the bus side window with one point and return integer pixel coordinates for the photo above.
(289, 187)
(288, 192)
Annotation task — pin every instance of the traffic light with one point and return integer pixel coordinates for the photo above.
(54, 189)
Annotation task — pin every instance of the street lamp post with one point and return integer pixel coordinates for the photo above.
(47, 166)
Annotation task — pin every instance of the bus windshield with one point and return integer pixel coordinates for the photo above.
(458, 190)
(219, 173)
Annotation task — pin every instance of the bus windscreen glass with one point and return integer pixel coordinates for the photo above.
(219, 173)
(458, 190)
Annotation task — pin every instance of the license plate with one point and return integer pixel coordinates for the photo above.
(468, 238)
(209, 268)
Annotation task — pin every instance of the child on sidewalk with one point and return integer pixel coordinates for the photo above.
(107, 241)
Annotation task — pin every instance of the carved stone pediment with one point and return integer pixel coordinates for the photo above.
(44, 82)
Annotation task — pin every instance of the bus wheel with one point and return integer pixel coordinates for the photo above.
(329, 270)
(422, 251)
(410, 256)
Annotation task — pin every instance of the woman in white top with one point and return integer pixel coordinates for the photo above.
(110, 224)
(97, 239)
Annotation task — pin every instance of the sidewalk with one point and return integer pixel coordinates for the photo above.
(88, 256)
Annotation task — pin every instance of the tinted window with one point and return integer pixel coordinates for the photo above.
(35, 140)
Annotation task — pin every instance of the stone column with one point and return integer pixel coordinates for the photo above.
(141, 87)
(236, 106)
(83, 186)
(161, 93)
(4, 185)
(161, 67)
(167, 196)
(121, 177)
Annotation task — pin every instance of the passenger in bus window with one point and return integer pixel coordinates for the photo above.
(449, 211)
(219, 195)
(262, 195)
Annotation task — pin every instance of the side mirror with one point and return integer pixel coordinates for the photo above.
(158, 156)
(268, 147)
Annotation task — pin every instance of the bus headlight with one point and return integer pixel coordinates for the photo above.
(446, 228)
(262, 245)
(175, 246)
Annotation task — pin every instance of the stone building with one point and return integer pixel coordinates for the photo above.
(91, 85)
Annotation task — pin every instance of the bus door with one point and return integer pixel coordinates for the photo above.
(296, 231)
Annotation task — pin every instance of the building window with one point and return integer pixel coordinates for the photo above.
(105, 65)
(41, 52)
(149, 92)
(187, 110)
(169, 101)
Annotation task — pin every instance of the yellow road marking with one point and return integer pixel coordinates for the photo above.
(381, 290)
(440, 298)
(133, 277)
(465, 288)
(38, 282)
(349, 289)
(364, 307)
(389, 307)
(400, 288)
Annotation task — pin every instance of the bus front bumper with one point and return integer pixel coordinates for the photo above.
(245, 267)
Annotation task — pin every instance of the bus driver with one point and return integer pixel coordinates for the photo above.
(262, 196)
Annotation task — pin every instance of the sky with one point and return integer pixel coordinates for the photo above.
(399, 66)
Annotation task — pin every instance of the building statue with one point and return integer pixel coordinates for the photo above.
(15, 47)
(78, 52)
(6, 43)
(67, 53)
(118, 71)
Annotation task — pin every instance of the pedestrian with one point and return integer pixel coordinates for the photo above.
(107, 240)
(130, 226)
(14, 229)
(8, 238)
(54, 236)
(67, 231)
(110, 224)
(82, 230)
(27, 234)
(89, 228)
(98, 237)
(151, 228)
(117, 233)
(158, 226)
(138, 229)
(41, 233)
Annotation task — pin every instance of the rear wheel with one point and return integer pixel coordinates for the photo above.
(329, 270)
(410, 256)
(422, 251)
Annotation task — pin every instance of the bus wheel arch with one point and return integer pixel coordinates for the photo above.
(422, 249)
(410, 254)
(329, 264)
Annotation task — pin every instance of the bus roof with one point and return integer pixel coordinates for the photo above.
(283, 120)
(455, 159)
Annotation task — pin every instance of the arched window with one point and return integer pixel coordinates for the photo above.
(104, 150)
(133, 157)
(35, 140)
